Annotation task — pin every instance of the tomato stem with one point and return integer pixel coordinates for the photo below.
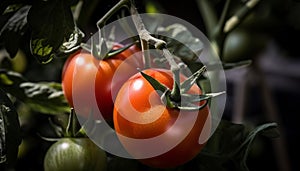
(226, 26)
(209, 16)
(236, 19)
(154, 83)
(218, 34)
(113, 10)
(143, 32)
(171, 98)
(224, 15)
(158, 44)
(145, 53)
(73, 125)
(175, 93)
(94, 50)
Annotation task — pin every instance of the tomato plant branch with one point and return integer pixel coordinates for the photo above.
(172, 98)
(218, 35)
(158, 44)
(208, 14)
(175, 94)
(113, 10)
(224, 14)
(143, 32)
(224, 27)
(146, 54)
(77, 10)
(235, 20)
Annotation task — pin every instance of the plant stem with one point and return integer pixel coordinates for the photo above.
(209, 16)
(235, 20)
(170, 59)
(77, 10)
(224, 14)
(143, 32)
(219, 36)
(145, 52)
(158, 44)
(176, 72)
(113, 10)
(224, 26)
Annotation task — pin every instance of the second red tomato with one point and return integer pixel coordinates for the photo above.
(90, 84)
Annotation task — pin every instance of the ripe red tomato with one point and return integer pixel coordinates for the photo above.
(86, 79)
(140, 114)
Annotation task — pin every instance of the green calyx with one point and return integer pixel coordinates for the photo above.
(178, 97)
(73, 128)
(103, 49)
(65, 126)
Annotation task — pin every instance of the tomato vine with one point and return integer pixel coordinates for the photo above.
(48, 32)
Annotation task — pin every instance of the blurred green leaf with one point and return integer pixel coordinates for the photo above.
(12, 8)
(13, 30)
(43, 97)
(117, 163)
(18, 21)
(8, 5)
(181, 42)
(53, 30)
(10, 133)
(229, 65)
(229, 146)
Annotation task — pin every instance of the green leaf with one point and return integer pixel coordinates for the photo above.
(188, 100)
(107, 50)
(7, 5)
(10, 133)
(229, 146)
(191, 106)
(18, 22)
(163, 91)
(199, 97)
(119, 50)
(237, 64)
(227, 65)
(43, 97)
(73, 127)
(209, 15)
(53, 30)
(242, 152)
(118, 163)
(12, 8)
(189, 82)
(13, 30)
(160, 88)
(181, 42)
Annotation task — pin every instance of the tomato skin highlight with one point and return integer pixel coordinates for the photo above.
(150, 118)
(75, 154)
(82, 72)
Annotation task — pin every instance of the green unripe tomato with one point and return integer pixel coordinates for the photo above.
(242, 44)
(75, 154)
